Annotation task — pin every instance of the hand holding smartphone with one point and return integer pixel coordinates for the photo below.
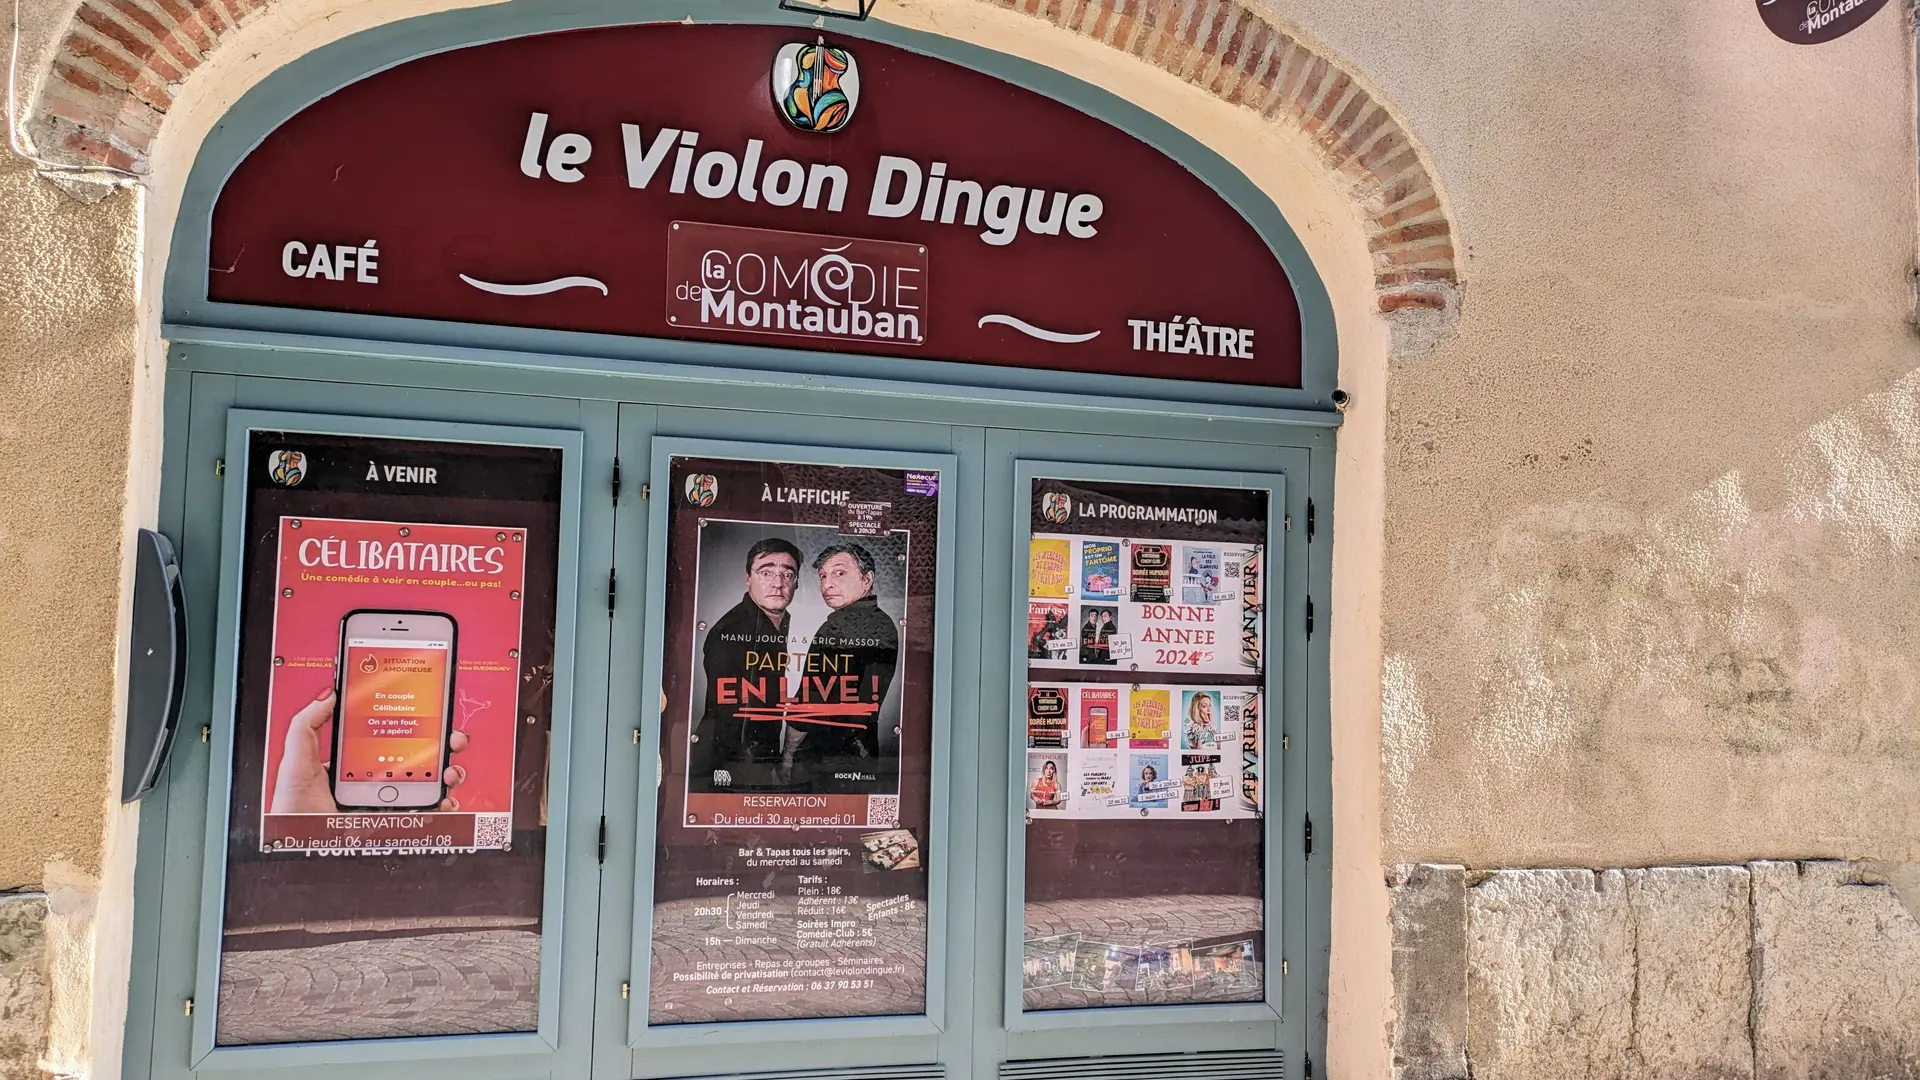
(393, 709)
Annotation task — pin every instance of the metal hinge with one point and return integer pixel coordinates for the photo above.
(616, 481)
(625, 989)
(1287, 523)
(1309, 521)
(219, 466)
(1286, 743)
(636, 736)
(603, 839)
(613, 589)
(646, 492)
(1283, 968)
(1309, 836)
(206, 732)
(1309, 616)
(189, 1009)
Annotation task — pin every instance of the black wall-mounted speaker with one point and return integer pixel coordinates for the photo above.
(157, 668)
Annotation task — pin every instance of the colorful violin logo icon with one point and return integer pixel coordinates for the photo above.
(815, 86)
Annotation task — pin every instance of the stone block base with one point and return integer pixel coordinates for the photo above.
(1771, 971)
(25, 994)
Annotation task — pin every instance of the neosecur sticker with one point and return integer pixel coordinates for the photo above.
(923, 483)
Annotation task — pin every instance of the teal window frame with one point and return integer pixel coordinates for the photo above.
(179, 865)
(986, 436)
(1091, 1024)
(241, 423)
(618, 395)
(930, 1022)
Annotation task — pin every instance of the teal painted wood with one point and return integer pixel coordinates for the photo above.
(587, 982)
(167, 873)
(877, 1042)
(1026, 470)
(1317, 765)
(1279, 1022)
(632, 766)
(306, 356)
(772, 1040)
(143, 989)
(978, 931)
(960, 1051)
(792, 434)
(454, 372)
(187, 849)
(304, 81)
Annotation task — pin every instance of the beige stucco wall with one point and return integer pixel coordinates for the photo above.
(1652, 510)
(67, 332)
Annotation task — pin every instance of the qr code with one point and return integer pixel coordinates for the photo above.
(492, 830)
(1233, 714)
(883, 811)
(1233, 569)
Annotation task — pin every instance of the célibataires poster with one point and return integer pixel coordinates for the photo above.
(472, 575)
(394, 701)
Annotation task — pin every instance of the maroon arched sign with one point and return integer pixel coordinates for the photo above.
(747, 184)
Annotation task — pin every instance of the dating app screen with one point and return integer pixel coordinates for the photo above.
(393, 709)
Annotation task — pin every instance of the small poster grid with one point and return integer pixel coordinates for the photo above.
(1144, 712)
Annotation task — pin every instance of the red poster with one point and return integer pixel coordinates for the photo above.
(1100, 724)
(431, 712)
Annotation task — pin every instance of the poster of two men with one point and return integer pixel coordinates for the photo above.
(791, 704)
(800, 618)
(797, 743)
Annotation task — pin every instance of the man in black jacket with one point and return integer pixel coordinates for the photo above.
(855, 653)
(745, 657)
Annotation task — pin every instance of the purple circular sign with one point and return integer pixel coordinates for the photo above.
(1810, 22)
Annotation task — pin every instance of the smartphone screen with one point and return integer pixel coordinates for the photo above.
(1097, 725)
(391, 744)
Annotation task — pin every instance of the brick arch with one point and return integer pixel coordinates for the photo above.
(1240, 56)
(112, 80)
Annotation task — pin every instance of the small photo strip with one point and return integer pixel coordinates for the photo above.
(1048, 961)
(894, 849)
(1165, 968)
(1100, 967)
(1230, 964)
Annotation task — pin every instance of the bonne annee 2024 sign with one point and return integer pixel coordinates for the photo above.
(755, 185)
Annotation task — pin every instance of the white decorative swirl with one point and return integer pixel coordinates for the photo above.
(832, 274)
(537, 288)
(1031, 330)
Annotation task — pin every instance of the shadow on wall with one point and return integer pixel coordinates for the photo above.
(1735, 673)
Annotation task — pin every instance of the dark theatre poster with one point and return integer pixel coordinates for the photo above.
(791, 876)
